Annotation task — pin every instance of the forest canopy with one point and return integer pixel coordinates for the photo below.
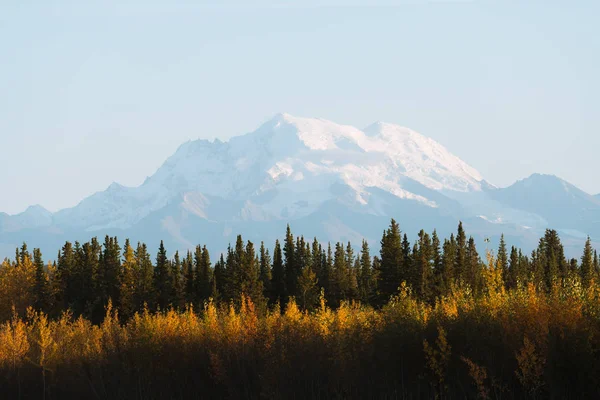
(303, 319)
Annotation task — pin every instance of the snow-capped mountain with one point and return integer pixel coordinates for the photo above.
(284, 170)
(325, 179)
(562, 205)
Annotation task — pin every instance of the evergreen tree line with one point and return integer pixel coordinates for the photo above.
(85, 277)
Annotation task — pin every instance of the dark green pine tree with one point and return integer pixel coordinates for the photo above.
(24, 255)
(145, 294)
(340, 283)
(203, 274)
(232, 285)
(197, 276)
(291, 276)
(265, 270)
(251, 285)
(162, 279)
(516, 275)
(596, 264)
(392, 263)
(65, 268)
(351, 291)
(316, 256)
(503, 260)
(128, 281)
(473, 267)
(328, 284)
(43, 294)
(87, 280)
(524, 267)
(406, 271)
(587, 264)
(437, 265)
(354, 293)
(219, 279)
(189, 278)
(110, 271)
(449, 253)
(537, 266)
(278, 292)
(176, 282)
(78, 293)
(460, 261)
(365, 280)
(422, 282)
(375, 281)
(556, 266)
(301, 257)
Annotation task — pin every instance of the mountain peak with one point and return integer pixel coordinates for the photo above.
(540, 176)
(34, 216)
(37, 208)
(538, 179)
(285, 168)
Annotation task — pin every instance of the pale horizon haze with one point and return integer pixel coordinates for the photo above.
(106, 91)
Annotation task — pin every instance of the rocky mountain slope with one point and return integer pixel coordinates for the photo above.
(327, 180)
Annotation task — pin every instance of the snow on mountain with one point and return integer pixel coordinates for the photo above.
(564, 206)
(284, 169)
(33, 217)
(326, 179)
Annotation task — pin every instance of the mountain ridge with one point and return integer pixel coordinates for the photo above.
(291, 170)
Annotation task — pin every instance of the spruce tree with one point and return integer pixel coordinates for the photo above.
(265, 270)
(110, 271)
(197, 276)
(176, 281)
(328, 275)
(219, 279)
(189, 278)
(448, 265)
(406, 269)
(587, 264)
(423, 260)
(278, 292)
(460, 262)
(162, 278)
(24, 255)
(340, 281)
(291, 276)
(128, 281)
(203, 274)
(87, 278)
(42, 286)
(473, 267)
(392, 263)
(144, 291)
(365, 281)
(555, 266)
(437, 264)
(515, 274)
(503, 259)
(251, 285)
(317, 260)
(64, 268)
(351, 290)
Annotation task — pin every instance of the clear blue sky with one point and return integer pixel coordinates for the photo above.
(105, 91)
